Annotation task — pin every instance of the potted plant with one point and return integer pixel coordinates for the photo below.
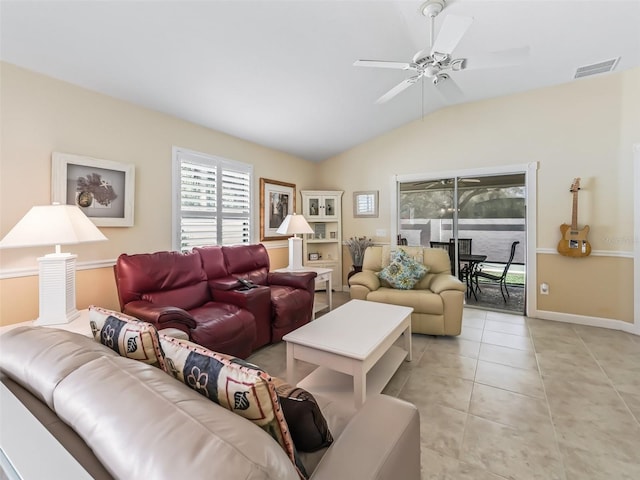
(357, 247)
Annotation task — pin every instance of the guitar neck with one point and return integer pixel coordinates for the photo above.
(574, 214)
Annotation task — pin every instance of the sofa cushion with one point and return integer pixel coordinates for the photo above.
(307, 425)
(232, 383)
(143, 424)
(403, 272)
(127, 336)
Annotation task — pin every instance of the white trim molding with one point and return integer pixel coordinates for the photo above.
(33, 271)
(636, 243)
(594, 253)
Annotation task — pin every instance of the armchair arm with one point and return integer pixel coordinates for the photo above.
(444, 281)
(302, 280)
(366, 279)
(160, 316)
(395, 424)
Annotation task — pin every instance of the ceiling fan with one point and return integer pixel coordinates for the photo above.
(435, 62)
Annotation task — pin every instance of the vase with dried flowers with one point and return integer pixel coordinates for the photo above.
(357, 247)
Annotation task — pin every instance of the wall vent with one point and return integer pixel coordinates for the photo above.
(596, 68)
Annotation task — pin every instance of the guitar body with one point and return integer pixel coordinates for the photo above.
(574, 243)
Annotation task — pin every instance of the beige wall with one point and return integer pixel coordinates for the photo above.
(581, 129)
(584, 128)
(41, 115)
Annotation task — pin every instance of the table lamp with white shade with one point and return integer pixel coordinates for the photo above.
(292, 225)
(54, 225)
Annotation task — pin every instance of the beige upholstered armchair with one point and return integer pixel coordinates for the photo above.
(437, 299)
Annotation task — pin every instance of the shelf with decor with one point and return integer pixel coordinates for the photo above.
(323, 211)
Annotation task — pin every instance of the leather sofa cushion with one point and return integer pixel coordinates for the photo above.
(38, 358)
(127, 336)
(161, 272)
(248, 261)
(224, 328)
(187, 297)
(234, 384)
(160, 429)
(422, 301)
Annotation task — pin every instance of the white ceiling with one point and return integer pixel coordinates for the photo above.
(279, 73)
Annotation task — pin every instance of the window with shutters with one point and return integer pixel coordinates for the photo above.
(211, 201)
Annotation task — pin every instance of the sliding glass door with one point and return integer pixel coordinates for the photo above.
(472, 217)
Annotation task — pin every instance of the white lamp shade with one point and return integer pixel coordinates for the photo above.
(52, 225)
(293, 224)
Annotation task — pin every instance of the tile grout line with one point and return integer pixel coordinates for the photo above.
(546, 399)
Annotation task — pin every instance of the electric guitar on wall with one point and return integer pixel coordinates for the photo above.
(574, 241)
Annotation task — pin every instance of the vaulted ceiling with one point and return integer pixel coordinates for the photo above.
(281, 74)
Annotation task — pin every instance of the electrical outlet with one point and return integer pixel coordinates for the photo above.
(544, 289)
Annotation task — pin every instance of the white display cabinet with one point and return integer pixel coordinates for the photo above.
(323, 248)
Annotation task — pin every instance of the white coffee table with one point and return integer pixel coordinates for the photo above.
(354, 348)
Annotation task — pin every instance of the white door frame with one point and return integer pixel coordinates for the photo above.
(636, 239)
(529, 170)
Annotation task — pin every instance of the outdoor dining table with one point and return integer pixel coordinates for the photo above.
(472, 262)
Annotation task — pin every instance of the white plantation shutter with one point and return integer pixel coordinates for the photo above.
(212, 200)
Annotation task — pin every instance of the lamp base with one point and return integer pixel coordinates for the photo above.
(295, 253)
(57, 289)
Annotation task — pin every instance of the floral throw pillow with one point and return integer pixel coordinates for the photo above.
(403, 272)
(234, 384)
(127, 336)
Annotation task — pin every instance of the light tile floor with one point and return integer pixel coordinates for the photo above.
(520, 398)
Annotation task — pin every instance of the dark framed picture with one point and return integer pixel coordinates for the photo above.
(277, 200)
(104, 190)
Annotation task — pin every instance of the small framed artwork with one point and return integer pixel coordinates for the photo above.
(365, 204)
(314, 256)
(277, 200)
(103, 189)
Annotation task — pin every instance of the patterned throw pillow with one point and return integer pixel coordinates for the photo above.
(307, 425)
(234, 384)
(127, 336)
(403, 272)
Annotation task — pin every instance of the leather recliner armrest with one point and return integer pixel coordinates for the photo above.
(443, 282)
(159, 315)
(252, 299)
(302, 280)
(366, 279)
(395, 453)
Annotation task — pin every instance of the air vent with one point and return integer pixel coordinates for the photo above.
(596, 68)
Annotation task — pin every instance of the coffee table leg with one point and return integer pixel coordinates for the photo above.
(291, 365)
(359, 387)
(407, 343)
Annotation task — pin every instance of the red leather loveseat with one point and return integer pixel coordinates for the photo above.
(199, 293)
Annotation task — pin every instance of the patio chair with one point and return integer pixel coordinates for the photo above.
(464, 248)
(501, 279)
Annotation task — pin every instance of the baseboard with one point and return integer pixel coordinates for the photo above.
(588, 321)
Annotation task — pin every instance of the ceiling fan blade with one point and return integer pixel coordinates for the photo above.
(449, 89)
(453, 29)
(403, 85)
(382, 64)
(501, 58)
